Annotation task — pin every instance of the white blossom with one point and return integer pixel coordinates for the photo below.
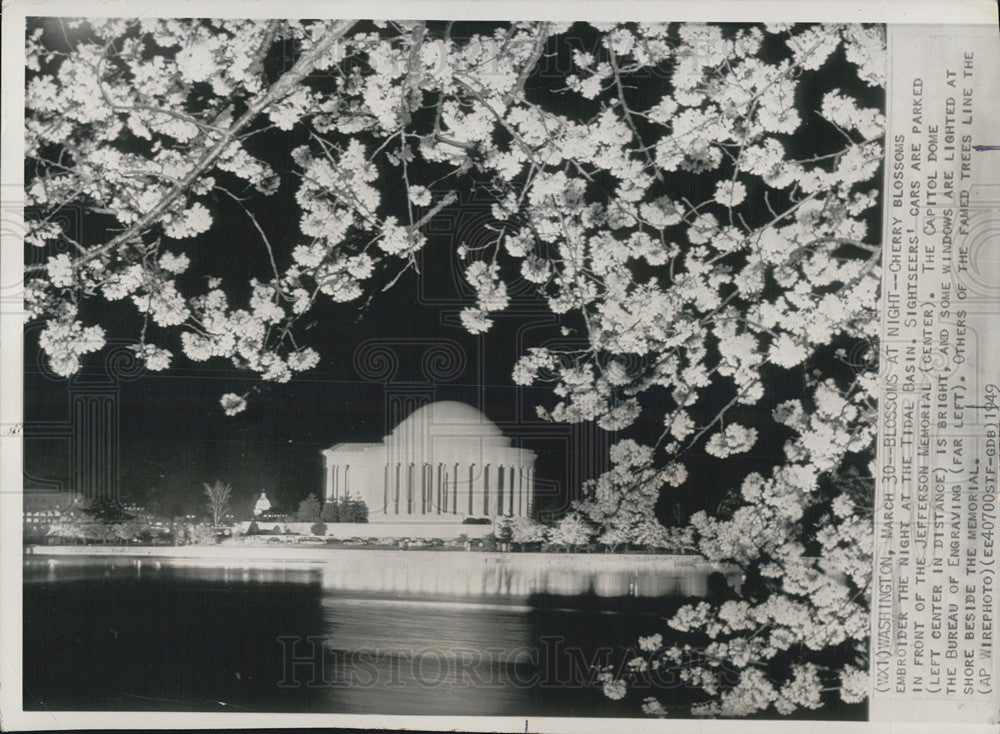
(735, 439)
(174, 263)
(66, 340)
(189, 223)
(303, 359)
(730, 193)
(786, 351)
(652, 707)
(232, 403)
(615, 689)
(854, 684)
(155, 358)
(702, 229)
(475, 320)
(60, 271)
(652, 643)
(420, 196)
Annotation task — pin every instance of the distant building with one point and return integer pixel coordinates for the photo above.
(50, 501)
(137, 510)
(42, 507)
(446, 462)
(263, 504)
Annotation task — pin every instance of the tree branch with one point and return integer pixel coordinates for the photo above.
(628, 115)
(529, 65)
(282, 87)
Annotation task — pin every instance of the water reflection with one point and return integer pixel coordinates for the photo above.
(423, 657)
(492, 638)
(118, 637)
(524, 574)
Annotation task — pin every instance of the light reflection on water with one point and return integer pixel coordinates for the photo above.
(429, 574)
(427, 656)
(524, 574)
(288, 637)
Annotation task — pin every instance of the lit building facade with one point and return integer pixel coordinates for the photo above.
(445, 462)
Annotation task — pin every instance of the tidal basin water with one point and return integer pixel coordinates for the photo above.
(434, 633)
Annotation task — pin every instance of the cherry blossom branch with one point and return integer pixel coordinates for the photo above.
(628, 114)
(529, 65)
(282, 87)
(447, 200)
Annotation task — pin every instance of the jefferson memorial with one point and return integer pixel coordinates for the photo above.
(445, 462)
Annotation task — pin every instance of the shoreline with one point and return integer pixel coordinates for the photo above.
(421, 572)
(261, 551)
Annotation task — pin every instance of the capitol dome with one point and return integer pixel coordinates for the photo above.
(445, 461)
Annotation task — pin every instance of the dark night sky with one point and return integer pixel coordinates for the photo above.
(174, 435)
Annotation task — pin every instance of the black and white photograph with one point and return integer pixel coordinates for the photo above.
(508, 369)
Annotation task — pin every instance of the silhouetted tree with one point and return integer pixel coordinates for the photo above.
(219, 495)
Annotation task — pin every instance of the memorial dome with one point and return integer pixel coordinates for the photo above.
(448, 418)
